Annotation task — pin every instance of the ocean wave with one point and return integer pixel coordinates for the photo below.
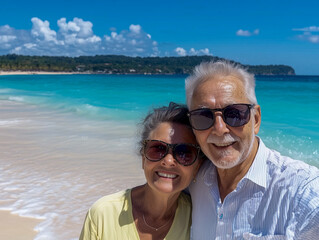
(16, 99)
(6, 123)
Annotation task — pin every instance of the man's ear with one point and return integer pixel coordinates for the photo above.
(257, 118)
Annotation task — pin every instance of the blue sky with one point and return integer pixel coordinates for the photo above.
(250, 32)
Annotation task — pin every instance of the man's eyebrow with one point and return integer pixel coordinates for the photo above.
(205, 106)
(202, 106)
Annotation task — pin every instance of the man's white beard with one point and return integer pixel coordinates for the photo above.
(228, 139)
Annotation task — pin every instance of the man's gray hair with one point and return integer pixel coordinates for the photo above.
(210, 70)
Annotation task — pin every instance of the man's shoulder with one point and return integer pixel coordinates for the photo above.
(292, 173)
(284, 164)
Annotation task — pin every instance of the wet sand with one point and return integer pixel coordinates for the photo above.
(14, 227)
(55, 165)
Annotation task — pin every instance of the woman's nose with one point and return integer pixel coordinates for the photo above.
(169, 159)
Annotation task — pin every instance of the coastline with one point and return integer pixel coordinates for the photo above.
(34, 73)
(15, 227)
(5, 73)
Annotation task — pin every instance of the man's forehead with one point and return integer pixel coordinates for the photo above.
(216, 85)
(225, 90)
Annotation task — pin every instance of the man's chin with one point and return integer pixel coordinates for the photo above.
(225, 163)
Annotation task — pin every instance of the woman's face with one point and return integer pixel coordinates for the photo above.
(167, 175)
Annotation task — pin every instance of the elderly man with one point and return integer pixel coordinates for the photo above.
(245, 191)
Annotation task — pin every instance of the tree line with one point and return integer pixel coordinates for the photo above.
(118, 64)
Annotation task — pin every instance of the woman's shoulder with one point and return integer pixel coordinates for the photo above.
(111, 202)
(185, 198)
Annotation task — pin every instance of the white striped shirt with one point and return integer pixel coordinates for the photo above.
(277, 199)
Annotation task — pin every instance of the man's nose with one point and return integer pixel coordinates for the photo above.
(220, 127)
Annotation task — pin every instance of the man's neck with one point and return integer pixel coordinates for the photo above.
(229, 178)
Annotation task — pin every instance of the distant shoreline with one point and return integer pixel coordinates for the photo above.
(6, 73)
(117, 64)
(35, 73)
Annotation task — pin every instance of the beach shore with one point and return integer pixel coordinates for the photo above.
(14, 227)
(34, 73)
(54, 165)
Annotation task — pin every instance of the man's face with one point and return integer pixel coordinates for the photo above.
(225, 146)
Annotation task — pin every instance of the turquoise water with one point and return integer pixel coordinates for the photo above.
(67, 140)
(97, 96)
(290, 116)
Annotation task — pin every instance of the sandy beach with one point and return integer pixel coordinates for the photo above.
(54, 169)
(34, 73)
(14, 227)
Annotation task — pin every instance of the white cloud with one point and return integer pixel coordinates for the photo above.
(307, 29)
(5, 41)
(131, 42)
(309, 37)
(204, 51)
(82, 29)
(76, 37)
(309, 34)
(314, 39)
(6, 38)
(135, 28)
(41, 29)
(180, 51)
(192, 52)
(77, 32)
(11, 38)
(256, 32)
(241, 32)
(246, 33)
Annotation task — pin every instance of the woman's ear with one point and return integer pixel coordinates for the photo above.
(143, 161)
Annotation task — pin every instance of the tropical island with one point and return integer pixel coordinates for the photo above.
(118, 64)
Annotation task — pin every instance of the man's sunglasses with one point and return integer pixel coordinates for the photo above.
(234, 115)
(184, 153)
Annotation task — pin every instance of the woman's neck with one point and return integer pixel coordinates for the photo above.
(154, 204)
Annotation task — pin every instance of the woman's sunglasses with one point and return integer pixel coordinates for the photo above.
(234, 115)
(184, 153)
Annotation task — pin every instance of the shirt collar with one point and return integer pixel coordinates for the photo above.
(210, 174)
(257, 172)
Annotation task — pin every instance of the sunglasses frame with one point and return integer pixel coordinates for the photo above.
(171, 146)
(189, 114)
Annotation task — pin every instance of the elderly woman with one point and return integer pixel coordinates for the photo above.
(158, 209)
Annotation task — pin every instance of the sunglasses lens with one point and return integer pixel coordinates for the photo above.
(237, 115)
(185, 154)
(155, 150)
(202, 119)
